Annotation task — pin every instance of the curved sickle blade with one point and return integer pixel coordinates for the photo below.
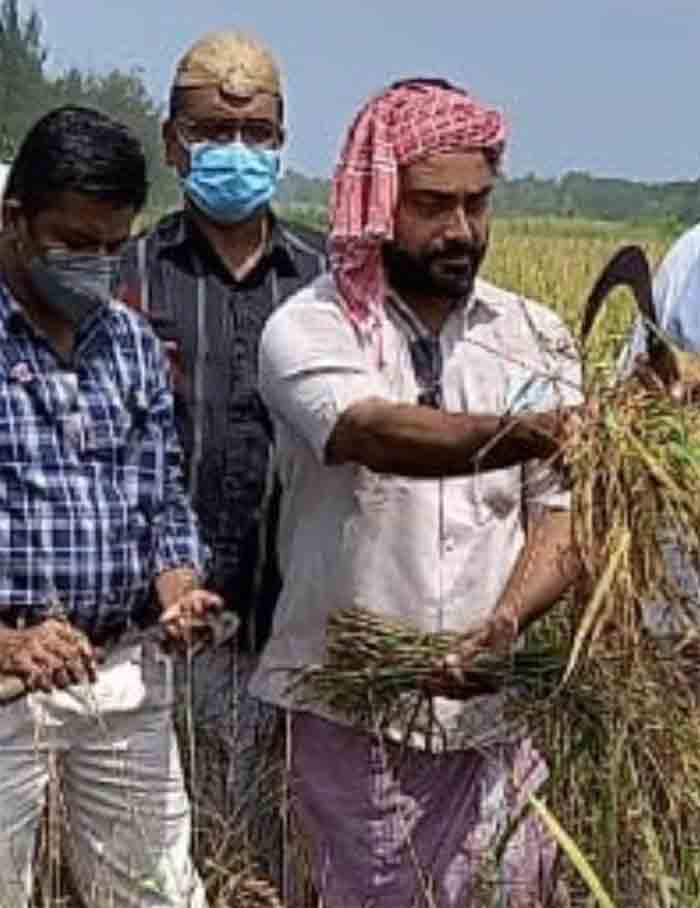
(629, 268)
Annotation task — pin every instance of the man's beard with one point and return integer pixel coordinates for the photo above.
(449, 273)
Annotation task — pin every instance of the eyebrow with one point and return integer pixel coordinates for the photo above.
(74, 235)
(444, 194)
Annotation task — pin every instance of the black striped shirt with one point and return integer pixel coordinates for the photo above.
(211, 324)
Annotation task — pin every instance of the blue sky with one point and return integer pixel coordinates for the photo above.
(608, 87)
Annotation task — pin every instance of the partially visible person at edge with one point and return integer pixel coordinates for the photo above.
(676, 300)
(209, 276)
(98, 538)
(411, 487)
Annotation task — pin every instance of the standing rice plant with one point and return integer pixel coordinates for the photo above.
(625, 774)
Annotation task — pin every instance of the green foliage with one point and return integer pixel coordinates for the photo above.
(578, 197)
(7, 146)
(27, 92)
(22, 82)
(314, 216)
(296, 189)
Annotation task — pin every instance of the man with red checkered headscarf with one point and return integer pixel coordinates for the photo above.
(417, 409)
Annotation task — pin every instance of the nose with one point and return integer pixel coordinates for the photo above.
(462, 226)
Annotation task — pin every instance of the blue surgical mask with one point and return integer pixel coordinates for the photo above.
(228, 183)
(75, 286)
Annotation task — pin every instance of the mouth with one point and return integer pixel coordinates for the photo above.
(454, 265)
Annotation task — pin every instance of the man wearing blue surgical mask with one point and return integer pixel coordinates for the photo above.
(209, 276)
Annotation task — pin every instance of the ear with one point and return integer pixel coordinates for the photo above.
(175, 155)
(11, 210)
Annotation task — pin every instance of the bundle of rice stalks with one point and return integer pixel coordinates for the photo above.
(635, 475)
(375, 665)
(627, 786)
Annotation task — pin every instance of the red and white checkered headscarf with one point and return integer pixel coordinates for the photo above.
(407, 122)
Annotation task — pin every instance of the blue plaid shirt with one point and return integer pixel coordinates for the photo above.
(92, 505)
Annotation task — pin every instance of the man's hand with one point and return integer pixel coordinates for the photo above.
(672, 372)
(49, 655)
(564, 424)
(548, 433)
(185, 619)
(451, 674)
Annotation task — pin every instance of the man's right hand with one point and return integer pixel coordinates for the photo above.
(47, 656)
(553, 430)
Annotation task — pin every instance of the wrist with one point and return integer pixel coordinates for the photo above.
(505, 625)
(536, 432)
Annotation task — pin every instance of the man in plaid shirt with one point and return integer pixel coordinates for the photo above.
(96, 534)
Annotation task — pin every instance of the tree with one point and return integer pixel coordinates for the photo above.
(23, 87)
(27, 93)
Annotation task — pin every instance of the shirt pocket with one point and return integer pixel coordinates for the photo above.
(24, 435)
(495, 494)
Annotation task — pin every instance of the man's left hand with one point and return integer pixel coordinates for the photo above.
(185, 619)
(498, 634)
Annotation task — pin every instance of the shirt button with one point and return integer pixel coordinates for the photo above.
(449, 544)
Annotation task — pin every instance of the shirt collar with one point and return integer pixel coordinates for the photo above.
(180, 229)
(473, 308)
(409, 322)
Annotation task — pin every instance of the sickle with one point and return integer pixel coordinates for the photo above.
(629, 267)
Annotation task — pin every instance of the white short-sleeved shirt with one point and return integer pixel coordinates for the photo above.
(433, 552)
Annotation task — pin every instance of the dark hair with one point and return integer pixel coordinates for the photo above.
(76, 149)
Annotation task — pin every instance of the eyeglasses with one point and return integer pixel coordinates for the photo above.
(426, 359)
(223, 132)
